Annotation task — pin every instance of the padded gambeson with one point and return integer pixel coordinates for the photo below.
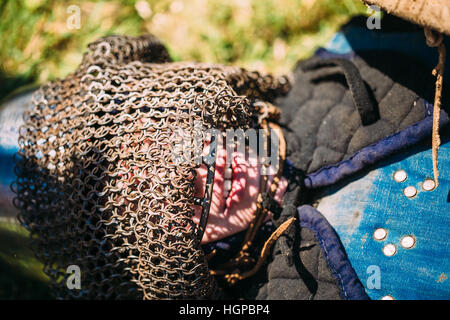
(321, 122)
(316, 282)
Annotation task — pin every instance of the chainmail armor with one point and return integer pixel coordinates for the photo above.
(96, 185)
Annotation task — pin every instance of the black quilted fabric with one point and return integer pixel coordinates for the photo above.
(307, 277)
(322, 124)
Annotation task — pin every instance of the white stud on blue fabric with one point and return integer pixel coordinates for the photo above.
(389, 249)
(400, 175)
(408, 242)
(410, 191)
(379, 234)
(428, 185)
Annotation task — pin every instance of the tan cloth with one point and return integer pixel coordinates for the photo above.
(433, 14)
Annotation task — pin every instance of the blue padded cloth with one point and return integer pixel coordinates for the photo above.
(10, 122)
(357, 206)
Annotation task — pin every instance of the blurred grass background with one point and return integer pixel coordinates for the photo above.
(36, 46)
(265, 35)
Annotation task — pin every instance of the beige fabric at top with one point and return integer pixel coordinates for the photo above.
(434, 14)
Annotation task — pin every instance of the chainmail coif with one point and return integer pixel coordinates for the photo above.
(96, 183)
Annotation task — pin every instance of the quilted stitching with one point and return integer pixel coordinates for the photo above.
(315, 282)
(322, 125)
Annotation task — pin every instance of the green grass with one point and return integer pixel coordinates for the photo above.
(36, 46)
(266, 35)
(21, 275)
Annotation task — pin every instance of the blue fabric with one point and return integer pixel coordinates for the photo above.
(357, 206)
(348, 282)
(7, 175)
(11, 114)
(10, 121)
